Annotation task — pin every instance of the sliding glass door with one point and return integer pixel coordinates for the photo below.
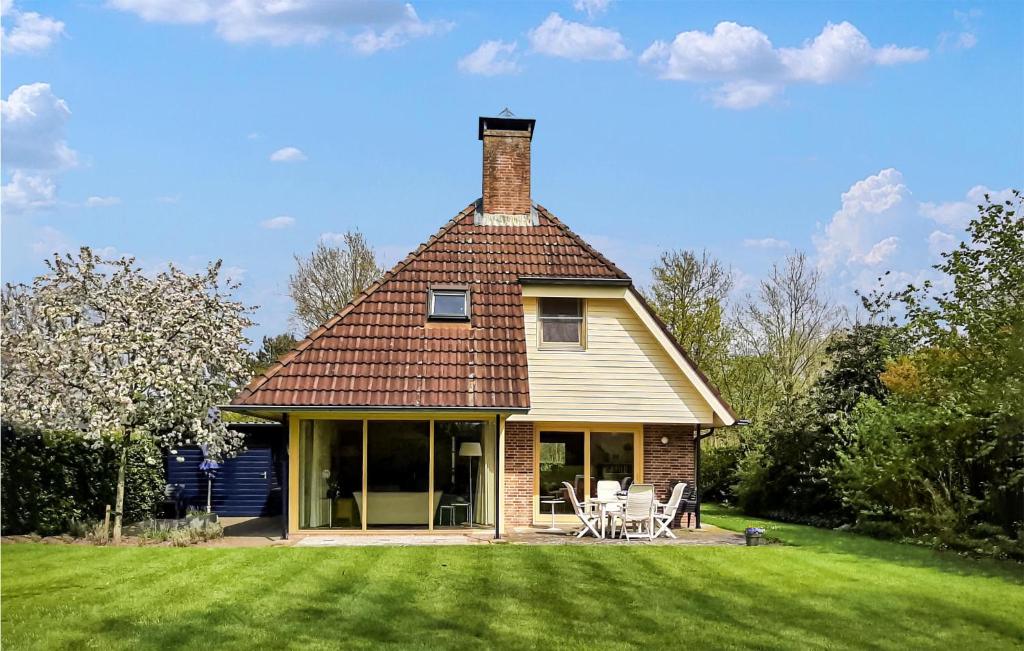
(330, 474)
(396, 474)
(582, 458)
(463, 474)
(561, 459)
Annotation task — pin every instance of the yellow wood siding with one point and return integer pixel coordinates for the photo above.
(623, 374)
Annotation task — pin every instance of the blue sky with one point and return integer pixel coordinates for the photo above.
(861, 133)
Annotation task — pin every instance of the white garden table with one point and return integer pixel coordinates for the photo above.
(602, 506)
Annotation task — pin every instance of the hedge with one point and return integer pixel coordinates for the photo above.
(48, 479)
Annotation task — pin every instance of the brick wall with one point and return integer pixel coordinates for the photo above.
(506, 172)
(518, 474)
(669, 462)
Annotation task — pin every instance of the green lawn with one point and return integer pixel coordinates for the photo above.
(821, 590)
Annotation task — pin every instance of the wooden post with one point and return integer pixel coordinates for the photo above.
(106, 524)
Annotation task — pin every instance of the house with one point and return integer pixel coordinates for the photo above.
(502, 357)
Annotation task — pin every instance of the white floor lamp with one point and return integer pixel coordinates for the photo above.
(470, 449)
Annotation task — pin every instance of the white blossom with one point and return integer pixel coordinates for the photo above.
(97, 347)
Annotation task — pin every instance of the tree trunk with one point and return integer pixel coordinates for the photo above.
(119, 505)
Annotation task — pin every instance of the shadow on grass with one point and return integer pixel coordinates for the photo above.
(515, 597)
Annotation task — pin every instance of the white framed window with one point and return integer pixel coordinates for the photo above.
(560, 322)
(448, 304)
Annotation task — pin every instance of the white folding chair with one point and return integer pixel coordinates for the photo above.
(665, 513)
(583, 512)
(608, 492)
(639, 511)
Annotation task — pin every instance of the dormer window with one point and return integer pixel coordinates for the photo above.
(561, 322)
(448, 304)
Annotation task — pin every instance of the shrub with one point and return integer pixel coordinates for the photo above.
(49, 480)
(718, 472)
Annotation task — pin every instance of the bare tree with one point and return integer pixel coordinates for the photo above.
(330, 277)
(784, 330)
(689, 294)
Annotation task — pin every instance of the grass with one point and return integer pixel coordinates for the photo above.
(821, 590)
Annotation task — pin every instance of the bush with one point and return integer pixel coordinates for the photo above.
(718, 472)
(49, 480)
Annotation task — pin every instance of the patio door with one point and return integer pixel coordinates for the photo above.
(398, 474)
(394, 474)
(561, 458)
(582, 457)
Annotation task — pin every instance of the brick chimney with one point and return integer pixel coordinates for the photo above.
(506, 171)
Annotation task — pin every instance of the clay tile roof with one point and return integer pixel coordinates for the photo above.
(379, 352)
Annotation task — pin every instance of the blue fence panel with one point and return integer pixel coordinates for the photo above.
(246, 485)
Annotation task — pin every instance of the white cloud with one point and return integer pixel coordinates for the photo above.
(750, 70)
(939, 242)
(370, 41)
(881, 251)
(50, 241)
(33, 148)
(591, 7)
(101, 202)
(766, 243)
(332, 238)
(743, 94)
(31, 33)
(169, 198)
(868, 206)
(880, 227)
(956, 214)
(368, 25)
(275, 223)
(33, 120)
(731, 51)
(490, 59)
(558, 37)
(288, 155)
(965, 39)
(27, 193)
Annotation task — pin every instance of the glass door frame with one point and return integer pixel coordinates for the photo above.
(295, 421)
(584, 429)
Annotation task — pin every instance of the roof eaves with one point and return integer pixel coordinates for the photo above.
(563, 280)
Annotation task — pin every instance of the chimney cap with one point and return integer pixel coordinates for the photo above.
(505, 121)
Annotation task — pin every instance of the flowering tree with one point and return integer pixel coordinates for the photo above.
(96, 346)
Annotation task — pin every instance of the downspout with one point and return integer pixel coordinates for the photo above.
(696, 463)
(497, 476)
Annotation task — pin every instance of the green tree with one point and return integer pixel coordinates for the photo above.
(272, 349)
(689, 294)
(790, 455)
(959, 392)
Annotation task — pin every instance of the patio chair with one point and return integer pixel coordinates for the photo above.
(665, 513)
(583, 511)
(639, 511)
(608, 489)
(688, 506)
(626, 482)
